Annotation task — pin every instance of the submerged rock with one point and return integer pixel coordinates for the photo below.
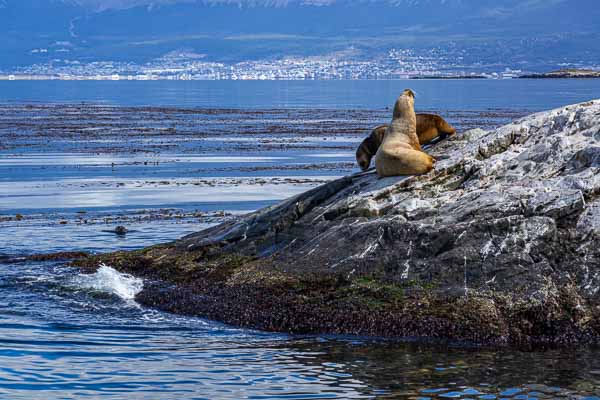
(500, 244)
(119, 230)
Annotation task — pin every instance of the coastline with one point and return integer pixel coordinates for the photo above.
(564, 74)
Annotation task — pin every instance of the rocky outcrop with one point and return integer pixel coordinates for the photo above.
(500, 244)
(565, 74)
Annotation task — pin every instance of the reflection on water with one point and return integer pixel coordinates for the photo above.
(138, 193)
(69, 336)
(63, 335)
(446, 372)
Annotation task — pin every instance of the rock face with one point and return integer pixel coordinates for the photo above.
(499, 244)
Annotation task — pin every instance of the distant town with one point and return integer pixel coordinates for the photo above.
(398, 64)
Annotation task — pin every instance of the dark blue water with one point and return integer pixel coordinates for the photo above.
(528, 94)
(72, 173)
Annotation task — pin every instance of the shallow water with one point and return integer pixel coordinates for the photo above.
(69, 174)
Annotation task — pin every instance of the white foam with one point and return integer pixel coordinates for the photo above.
(109, 280)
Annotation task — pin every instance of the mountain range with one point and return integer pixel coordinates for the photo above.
(526, 34)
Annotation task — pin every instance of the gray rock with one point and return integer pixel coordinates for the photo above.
(494, 202)
(506, 229)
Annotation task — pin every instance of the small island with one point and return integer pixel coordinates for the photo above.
(571, 73)
(499, 245)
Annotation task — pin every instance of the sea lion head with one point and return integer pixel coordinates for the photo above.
(409, 92)
(369, 146)
(367, 150)
(363, 159)
(404, 104)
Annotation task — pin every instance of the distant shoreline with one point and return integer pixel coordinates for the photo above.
(450, 77)
(163, 79)
(564, 74)
(559, 74)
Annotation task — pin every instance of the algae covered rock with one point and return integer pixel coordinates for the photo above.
(499, 244)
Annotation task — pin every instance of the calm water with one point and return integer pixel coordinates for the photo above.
(73, 172)
(431, 94)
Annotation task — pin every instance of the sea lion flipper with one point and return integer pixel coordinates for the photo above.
(404, 162)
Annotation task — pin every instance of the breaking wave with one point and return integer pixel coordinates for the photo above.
(108, 279)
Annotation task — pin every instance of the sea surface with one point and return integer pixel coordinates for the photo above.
(164, 159)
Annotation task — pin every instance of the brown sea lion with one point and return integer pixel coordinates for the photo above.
(400, 151)
(429, 127)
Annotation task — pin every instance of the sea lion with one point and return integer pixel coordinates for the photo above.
(400, 151)
(429, 127)
(369, 146)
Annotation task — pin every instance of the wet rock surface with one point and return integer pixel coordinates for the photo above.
(498, 245)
